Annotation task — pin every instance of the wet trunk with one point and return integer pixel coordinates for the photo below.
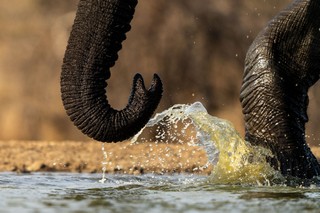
(281, 65)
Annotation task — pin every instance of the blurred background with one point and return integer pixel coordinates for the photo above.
(197, 48)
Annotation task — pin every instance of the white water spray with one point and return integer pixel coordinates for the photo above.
(233, 159)
(104, 163)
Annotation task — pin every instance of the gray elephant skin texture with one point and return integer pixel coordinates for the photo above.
(95, 39)
(281, 65)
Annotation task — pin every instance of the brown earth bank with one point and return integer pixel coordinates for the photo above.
(124, 157)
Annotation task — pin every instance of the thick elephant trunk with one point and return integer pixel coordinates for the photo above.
(95, 39)
(281, 65)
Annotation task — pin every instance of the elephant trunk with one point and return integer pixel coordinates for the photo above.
(96, 36)
(281, 65)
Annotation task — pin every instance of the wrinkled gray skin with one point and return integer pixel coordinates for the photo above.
(95, 39)
(281, 64)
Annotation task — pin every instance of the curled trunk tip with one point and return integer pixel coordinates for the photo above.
(95, 39)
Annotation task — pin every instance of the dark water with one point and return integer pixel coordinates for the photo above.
(68, 192)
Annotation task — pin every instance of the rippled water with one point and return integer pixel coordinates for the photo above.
(241, 179)
(67, 192)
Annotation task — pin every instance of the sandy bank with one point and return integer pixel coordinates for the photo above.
(76, 156)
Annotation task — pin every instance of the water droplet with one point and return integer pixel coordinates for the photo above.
(227, 153)
(104, 163)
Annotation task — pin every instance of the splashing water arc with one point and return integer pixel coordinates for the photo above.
(233, 159)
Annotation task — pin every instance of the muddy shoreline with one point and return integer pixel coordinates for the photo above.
(86, 156)
(77, 156)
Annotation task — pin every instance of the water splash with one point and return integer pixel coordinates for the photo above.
(233, 159)
(104, 163)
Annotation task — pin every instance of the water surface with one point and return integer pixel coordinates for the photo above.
(241, 179)
(68, 192)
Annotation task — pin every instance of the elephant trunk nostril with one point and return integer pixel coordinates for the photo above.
(140, 93)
